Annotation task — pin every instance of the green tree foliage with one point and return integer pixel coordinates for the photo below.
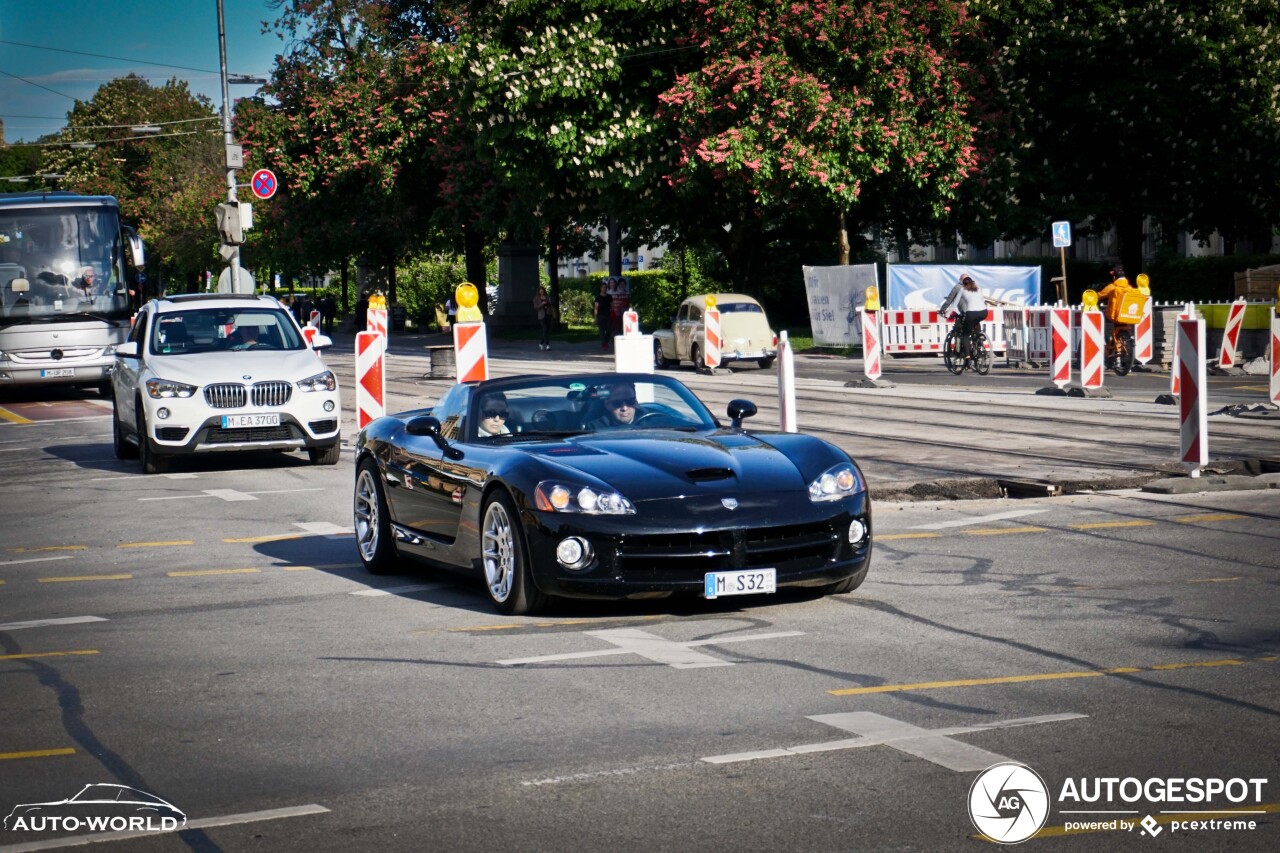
(1168, 109)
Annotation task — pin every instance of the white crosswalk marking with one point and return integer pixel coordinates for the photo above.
(633, 641)
(44, 623)
(980, 519)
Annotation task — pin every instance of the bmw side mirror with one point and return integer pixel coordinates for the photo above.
(740, 410)
(430, 426)
(128, 349)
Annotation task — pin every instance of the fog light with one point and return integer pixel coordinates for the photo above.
(574, 553)
(162, 413)
(857, 530)
(328, 405)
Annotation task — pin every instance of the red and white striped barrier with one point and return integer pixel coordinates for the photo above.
(1193, 403)
(912, 331)
(377, 323)
(1187, 313)
(1275, 357)
(314, 319)
(309, 332)
(1142, 335)
(871, 344)
(1231, 335)
(371, 384)
(471, 348)
(712, 338)
(1060, 333)
(786, 385)
(630, 323)
(1092, 353)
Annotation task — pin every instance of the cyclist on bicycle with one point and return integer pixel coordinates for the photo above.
(971, 306)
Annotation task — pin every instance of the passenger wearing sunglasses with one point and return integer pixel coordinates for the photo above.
(620, 408)
(493, 416)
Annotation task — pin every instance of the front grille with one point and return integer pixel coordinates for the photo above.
(230, 395)
(171, 433)
(769, 546)
(321, 427)
(225, 396)
(217, 435)
(271, 393)
(793, 547)
(680, 553)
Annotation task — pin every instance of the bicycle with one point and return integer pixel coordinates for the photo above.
(979, 348)
(1119, 353)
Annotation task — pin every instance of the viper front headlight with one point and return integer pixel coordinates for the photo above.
(161, 389)
(552, 496)
(320, 382)
(838, 481)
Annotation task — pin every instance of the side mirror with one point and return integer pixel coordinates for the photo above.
(320, 342)
(428, 425)
(128, 349)
(740, 410)
(137, 251)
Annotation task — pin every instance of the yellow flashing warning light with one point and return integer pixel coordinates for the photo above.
(872, 295)
(711, 300)
(1090, 300)
(378, 302)
(468, 298)
(1144, 284)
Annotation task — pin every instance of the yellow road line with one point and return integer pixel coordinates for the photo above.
(50, 548)
(155, 544)
(200, 572)
(298, 568)
(86, 578)
(12, 418)
(1163, 820)
(882, 537)
(486, 628)
(1213, 516)
(275, 538)
(37, 753)
(1041, 676)
(1097, 525)
(999, 531)
(48, 654)
(1217, 580)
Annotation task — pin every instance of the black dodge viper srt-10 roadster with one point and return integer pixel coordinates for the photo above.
(607, 485)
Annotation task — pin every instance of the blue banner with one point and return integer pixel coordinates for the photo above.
(921, 287)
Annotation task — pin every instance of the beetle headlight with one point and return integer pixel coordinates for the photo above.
(320, 382)
(551, 496)
(160, 389)
(838, 481)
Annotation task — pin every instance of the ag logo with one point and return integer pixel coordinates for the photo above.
(1008, 803)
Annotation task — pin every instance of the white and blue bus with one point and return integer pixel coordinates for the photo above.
(69, 274)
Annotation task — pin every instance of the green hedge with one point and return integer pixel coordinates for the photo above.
(655, 295)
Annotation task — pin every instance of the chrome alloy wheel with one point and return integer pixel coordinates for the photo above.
(498, 550)
(366, 512)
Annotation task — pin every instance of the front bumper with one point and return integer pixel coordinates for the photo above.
(807, 547)
(89, 372)
(192, 427)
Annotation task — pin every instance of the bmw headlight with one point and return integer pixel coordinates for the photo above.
(552, 496)
(320, 382)
(161, 389)
(838, 481)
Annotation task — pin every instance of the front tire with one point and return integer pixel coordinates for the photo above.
(695, 355)
(1124, 354)
(505, 559)
(981, 356)
(849, 584)
(124, 450)
(152, 462)
(660, 360)
(372, 521)
(326, 455)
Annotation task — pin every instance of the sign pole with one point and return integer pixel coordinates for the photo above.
(233, 252)
(1062, 295)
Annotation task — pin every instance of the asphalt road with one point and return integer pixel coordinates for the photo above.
(208, 636)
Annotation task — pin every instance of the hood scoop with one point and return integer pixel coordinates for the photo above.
(707, 475)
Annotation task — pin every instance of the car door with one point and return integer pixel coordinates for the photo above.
(427, 490)
(125, 374)
(687, 323)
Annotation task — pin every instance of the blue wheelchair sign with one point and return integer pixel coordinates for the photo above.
(1061, 235)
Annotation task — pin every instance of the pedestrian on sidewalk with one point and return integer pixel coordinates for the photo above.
(546, 314)
(602, 310)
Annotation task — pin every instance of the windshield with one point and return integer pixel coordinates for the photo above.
(61, 264)
(582, 405)
(230, 330)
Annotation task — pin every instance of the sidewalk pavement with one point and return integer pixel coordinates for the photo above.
(918, 441)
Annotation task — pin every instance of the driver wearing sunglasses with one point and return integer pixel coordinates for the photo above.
(620, 408)
(493, 416)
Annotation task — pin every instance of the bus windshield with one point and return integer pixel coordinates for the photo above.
(61, 264)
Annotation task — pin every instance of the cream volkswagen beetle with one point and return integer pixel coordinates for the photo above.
(744, 332)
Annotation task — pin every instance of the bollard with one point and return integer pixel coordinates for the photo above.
(1275, 357)
(1231, 335)
(871, 344)
(711, 335)
(371, 387)
(1193, 402)
(786, 384)
(1143, 345)
(1060, 344)
(376, 317)
(630, 323)
(1187, 313)
(1092, 350)
(472, 347)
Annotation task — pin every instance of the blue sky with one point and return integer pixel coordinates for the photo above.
(181, 32)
